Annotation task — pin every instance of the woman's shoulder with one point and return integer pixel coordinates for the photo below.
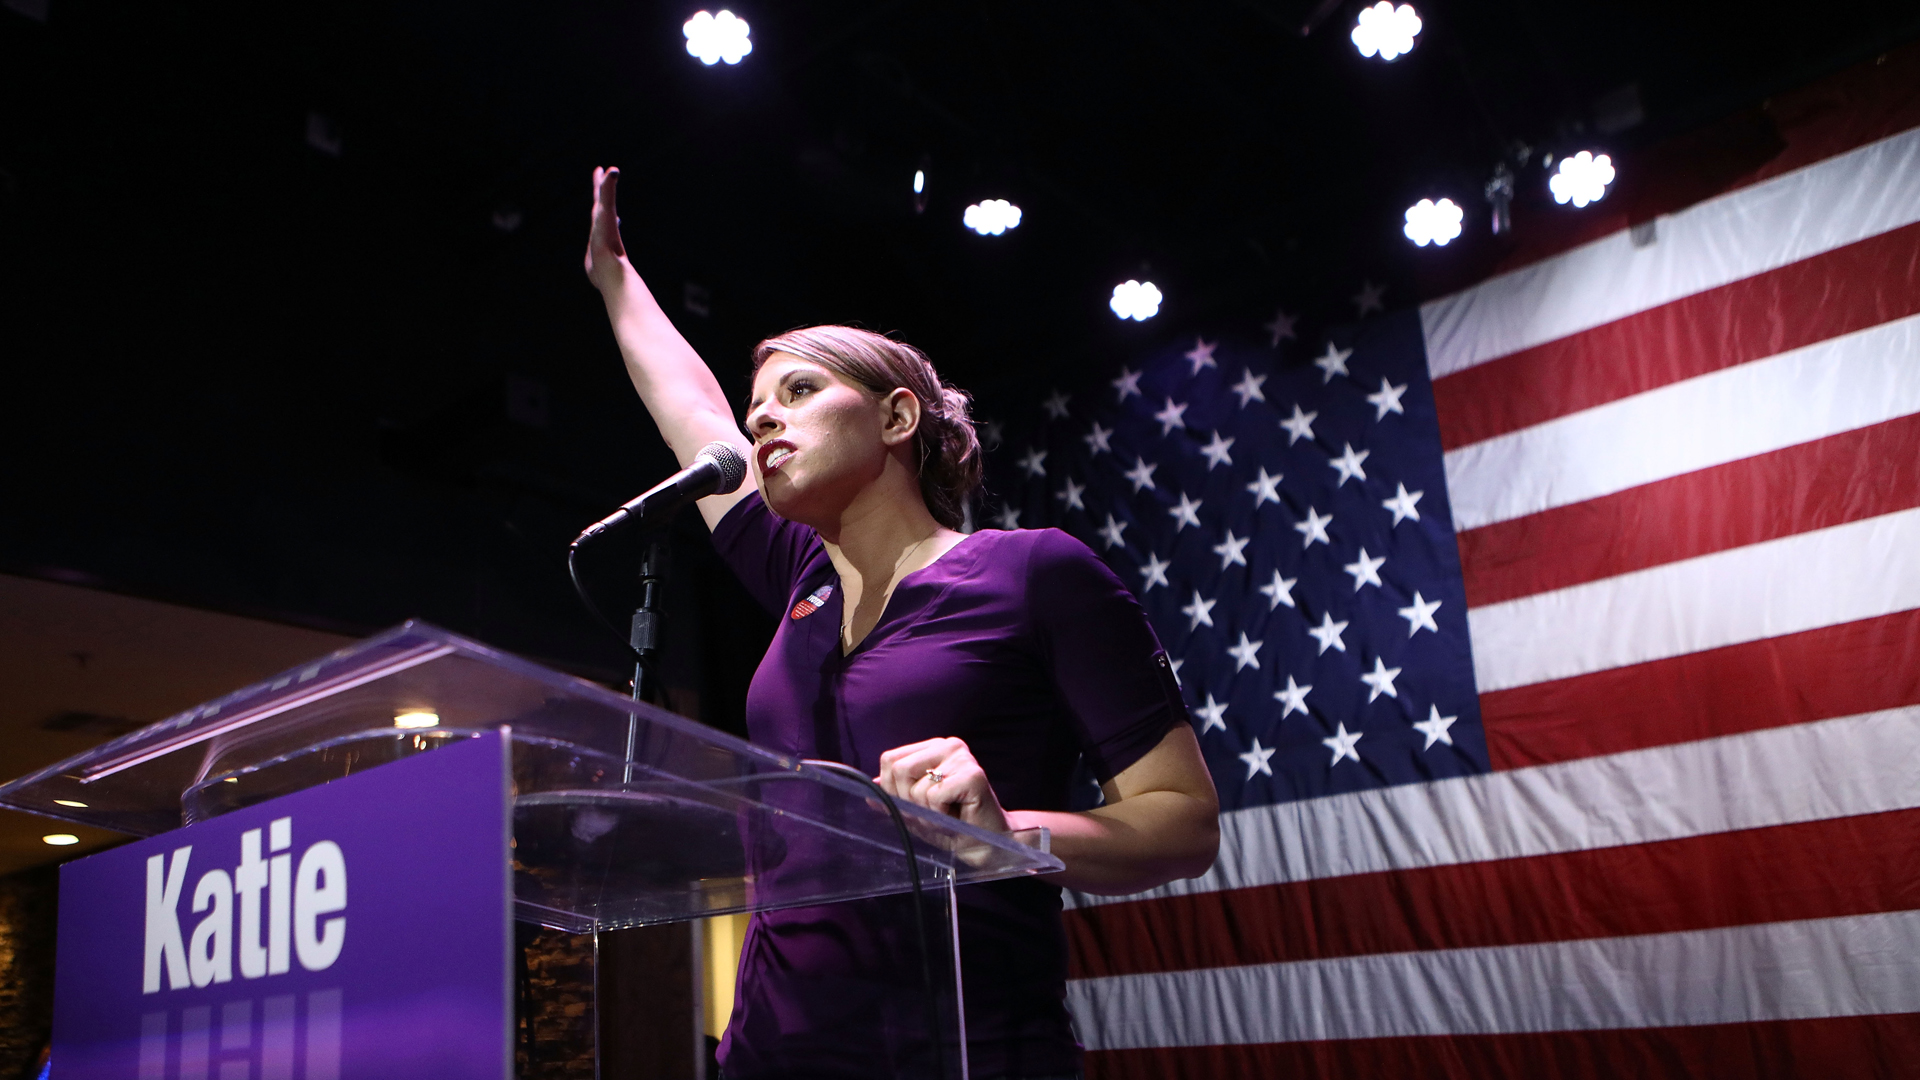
(1040, 553)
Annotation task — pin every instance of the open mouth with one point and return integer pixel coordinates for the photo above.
(775, 455)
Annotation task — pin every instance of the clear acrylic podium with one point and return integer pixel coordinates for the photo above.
(623, 815)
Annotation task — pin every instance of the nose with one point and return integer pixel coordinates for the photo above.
(762, 422)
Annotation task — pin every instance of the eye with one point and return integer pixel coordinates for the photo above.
(799, 387)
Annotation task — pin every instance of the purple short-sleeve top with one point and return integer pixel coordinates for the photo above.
(1025, 645)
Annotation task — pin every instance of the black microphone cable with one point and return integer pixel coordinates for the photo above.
(919, 907)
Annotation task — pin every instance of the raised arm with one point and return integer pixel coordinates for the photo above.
(677, 387)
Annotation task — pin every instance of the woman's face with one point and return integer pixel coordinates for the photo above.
(819, 440)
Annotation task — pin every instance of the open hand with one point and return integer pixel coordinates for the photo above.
(606, 255)
(941, 775)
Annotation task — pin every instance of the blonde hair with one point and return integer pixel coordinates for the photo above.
(949, 450)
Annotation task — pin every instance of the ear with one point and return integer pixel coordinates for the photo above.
(900, 416)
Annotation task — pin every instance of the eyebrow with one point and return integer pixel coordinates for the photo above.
(754, 403)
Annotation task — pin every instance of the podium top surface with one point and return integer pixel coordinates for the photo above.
(624, 814)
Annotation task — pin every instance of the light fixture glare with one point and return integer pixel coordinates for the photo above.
(991, 217)
(1386, 31)
(417, 718)
(60, 839)
(713, 38)
(76, 804)
(1136, 300)
(1581, 178)
(1430, 222)
(919, 181)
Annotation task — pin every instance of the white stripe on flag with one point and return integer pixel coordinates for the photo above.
(1852, 966)
(1826, 205)
(1843, 573)
(1837, 385)
(1836, 768)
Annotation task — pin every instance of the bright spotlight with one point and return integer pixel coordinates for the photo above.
(1386, 30)
(1136, 300)
(417, 718)
(919, 181)
(1430, 222)
(713, 38)
(60, 839)
(992, 217)
(1581, 179)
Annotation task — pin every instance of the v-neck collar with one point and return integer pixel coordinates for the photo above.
(839, 601)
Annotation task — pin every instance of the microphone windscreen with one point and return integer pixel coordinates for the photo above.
(728, 459)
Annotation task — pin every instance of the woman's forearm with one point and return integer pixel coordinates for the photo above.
(676, 386)
(1132, 845)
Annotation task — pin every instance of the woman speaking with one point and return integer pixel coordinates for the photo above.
(966, 673)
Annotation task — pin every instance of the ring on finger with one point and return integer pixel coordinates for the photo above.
(934, 775)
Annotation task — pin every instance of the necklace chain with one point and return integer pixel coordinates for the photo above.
(846, 625)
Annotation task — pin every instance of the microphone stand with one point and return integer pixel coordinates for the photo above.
(643, 637)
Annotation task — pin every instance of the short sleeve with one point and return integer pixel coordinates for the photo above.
(769, 554)
(1106, 662)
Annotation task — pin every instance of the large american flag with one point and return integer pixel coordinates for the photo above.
(1555, 648)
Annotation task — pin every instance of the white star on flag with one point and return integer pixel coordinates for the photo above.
(1056, 406)
(1096, 439)
(1256, 759)
(1142, 475)
(1341, 743)
(1266, 489)
(1032, 462)
(1200, 611)
(1186, 512)
(1294, 697)
(1380, 679)
(1280, 591)
(1071, 495)
(1348, 465)
(996, 434)
(1387, 400)
(1246, 654)
(1248, 388)
(1173, 416)
(1110, 532)
(1334, 363)
(1299, 425)
(1128, 384)
(1213, 714)
(1156, 574)
(1008, 517)
(1402, 503)
(1314, 528)
(1371, 297)
(1216, 451)
(1328, 633)
(1280, 329)
(1421, 614)
(1229, 552)
(1366, 571)
(1201, 355)
(1435, 726)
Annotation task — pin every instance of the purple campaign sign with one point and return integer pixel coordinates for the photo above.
(360, 929)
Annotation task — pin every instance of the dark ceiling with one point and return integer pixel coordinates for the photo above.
(291, 310)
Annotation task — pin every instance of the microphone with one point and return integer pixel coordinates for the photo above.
(717, 469)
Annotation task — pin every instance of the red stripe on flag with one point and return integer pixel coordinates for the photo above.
(1842, 670)
(1838, 292)
(1847, 477)
(1813, 870)
(1829, 1048)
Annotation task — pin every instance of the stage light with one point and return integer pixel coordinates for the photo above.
(919, 181)
(1430, 222)
(417, 718)
(70, 802)
(1386, 30)
(1581, 179)
(60, 839)
(713, 38)
(1136, 300)
(992, 217)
